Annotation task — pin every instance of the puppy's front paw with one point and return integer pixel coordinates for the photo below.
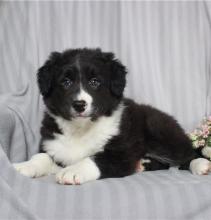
(26, 169)
(70, 176)
(200, 166)
(79, 173)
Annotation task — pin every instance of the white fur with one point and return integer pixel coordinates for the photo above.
(39, 165)
(200, 166)
(81, 172)
(143, 161)
(206, 151)
(87, 98)
(140, 166)
(82, 137)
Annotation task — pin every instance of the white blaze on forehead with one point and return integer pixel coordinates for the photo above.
(83, 95)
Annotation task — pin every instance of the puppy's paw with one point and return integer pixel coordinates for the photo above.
(200, 166)
(27, 169)
(79, 173)
(70, 176)
(140, 165)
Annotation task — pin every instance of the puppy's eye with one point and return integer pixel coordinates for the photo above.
(94, 83)
(66, 83)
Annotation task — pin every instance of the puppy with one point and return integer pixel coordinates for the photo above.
(91, 131)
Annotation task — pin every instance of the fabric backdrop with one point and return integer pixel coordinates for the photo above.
(166, 47)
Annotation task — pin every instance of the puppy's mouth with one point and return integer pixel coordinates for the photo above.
(91, 112)
(84, 114)
(81, 115)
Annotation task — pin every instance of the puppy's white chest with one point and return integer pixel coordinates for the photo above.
(82, 138)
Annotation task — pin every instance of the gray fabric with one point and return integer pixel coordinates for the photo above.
(166, 47)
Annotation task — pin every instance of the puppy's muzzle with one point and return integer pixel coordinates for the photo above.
(79, 106)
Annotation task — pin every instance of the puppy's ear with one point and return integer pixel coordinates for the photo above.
(118, 78)
(46, 72)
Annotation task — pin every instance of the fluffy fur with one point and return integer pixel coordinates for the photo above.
(91, 131)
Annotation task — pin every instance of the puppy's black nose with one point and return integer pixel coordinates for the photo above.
(79, 105)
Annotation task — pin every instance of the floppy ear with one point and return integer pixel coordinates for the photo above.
(46, 72)
(118, 78)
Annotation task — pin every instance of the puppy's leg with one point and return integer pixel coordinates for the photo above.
(81, 172)
(39, 165)
(103, 165)
(167, 142)
(149, 164)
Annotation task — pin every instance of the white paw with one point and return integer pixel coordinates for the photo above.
(200, 166)
(79, 173)
(140, 165)
(26, 169)
(70, 176)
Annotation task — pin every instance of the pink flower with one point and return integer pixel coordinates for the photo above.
(206, 134)
(197, 132)
(205, 130)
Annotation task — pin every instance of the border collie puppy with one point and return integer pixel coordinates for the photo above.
(91, 131)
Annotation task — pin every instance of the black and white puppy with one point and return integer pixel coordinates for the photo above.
(91, 131)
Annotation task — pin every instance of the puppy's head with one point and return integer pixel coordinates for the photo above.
(82, 83)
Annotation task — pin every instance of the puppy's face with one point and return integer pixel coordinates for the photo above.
(82, 83)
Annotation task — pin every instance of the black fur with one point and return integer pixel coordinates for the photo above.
(92, 63)
(145, 132)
